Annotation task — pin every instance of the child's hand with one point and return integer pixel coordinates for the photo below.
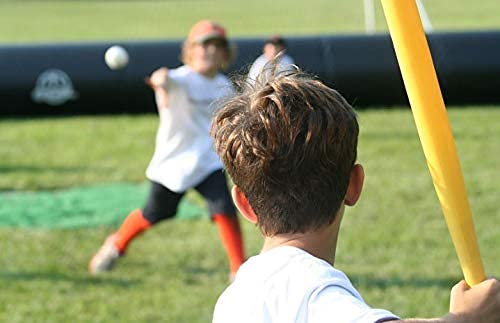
(158, 79)
(480, 303)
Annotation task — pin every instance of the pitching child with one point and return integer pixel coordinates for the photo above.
(290, 146)
(184, 157)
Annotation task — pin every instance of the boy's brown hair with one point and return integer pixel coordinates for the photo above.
(289, 145)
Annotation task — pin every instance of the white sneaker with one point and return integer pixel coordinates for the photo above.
(105, 258)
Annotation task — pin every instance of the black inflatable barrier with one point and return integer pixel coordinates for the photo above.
(53, 79)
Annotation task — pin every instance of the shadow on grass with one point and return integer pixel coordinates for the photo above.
(12, 277)
(196, 274)
(370, 281)
(193, 274)
(38, 169)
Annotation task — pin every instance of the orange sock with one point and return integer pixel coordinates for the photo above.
(230, 235)
(133, 225)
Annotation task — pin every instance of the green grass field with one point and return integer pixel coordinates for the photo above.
(394, 244)
(73, 20)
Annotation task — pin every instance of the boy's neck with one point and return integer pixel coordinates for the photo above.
(321, 243)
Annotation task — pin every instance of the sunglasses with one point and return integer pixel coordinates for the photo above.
(219, 43)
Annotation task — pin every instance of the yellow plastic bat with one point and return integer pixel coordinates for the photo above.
(434, 130)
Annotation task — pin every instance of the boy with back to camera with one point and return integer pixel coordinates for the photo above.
(184, 157)
(290, 146)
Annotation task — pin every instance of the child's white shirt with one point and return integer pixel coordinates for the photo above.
(287, 284)
(284, 63)
(184, 153)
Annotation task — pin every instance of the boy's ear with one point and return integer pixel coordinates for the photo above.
(355, 185)
(241, 202)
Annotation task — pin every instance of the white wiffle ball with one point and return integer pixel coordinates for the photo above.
(116, 57)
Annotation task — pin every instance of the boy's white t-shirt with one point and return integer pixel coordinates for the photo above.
(287, 284)
(184, 153)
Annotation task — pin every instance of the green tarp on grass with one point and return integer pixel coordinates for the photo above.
(106, 204)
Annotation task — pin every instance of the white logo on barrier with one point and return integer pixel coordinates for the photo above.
(53, 87)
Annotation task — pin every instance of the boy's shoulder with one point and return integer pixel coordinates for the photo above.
(185, 72)
(287, 284)
(180, 72)
(295, 262)
(289, 272)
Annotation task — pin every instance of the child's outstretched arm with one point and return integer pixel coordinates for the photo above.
(158, 82)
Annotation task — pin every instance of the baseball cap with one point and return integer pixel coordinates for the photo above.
(205, 30)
